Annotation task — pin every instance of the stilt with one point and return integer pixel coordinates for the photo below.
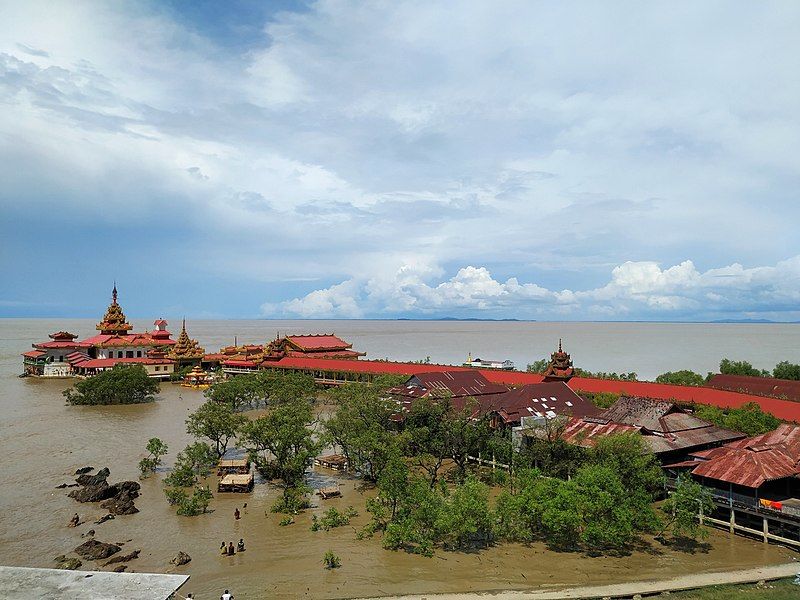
(733, 520)
(766, 530)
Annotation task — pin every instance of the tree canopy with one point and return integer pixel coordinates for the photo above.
(216, 422)
(740, 367)
(748, 419)
(124, 384)
(786, 370)
(683, 377)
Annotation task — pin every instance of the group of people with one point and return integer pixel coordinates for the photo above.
(229, 550)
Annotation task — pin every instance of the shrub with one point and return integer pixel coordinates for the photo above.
(331, 560)
(292, 501)
(124, 384)
(195, 504)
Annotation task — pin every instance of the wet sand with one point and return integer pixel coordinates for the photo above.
(44, 441)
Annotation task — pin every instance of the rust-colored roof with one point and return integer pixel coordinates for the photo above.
(753, 461)
(761, 386)
(537, 400)
(455, 383)
(642, 412)
(33, 354)
(62, 344)
(61, 336)
(586, 432)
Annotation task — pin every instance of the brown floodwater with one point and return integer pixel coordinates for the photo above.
(43, 441)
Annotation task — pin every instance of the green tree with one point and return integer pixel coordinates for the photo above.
(282, 443)
(546, 450)
(197, 503)
(124, 384)
(538, 366)
(362, 427)
(786, 370)
(683, 377)
(519, 511)
(740, 367)
(414, 527)
(748, 419)
(196, 460)
(682, 507)
(156, 449)
(466, 518)
(216, 422)
(638, 470)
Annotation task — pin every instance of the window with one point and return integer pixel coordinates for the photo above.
(157, 368)
(119, 354)
(138, 354)
(129, 354)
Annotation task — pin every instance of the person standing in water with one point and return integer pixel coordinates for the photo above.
(240, 545)
(231, 549)
(236, 514)
(223, 549)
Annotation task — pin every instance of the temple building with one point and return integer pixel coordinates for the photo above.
(65, 356)
(560, 367)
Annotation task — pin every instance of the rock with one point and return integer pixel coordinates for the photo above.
(84, 470)
(103, 519)
(94, 550)
(120, 568)
(761, 583)
(637, 597)
(123, 558)
(122, 502)
(92, 493)
(70, 564)
(89, 533)
(97, 479)
(181, 558)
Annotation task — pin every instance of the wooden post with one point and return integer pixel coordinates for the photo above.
(733, 520)
(766, 530)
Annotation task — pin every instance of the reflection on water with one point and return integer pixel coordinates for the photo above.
(42, 442)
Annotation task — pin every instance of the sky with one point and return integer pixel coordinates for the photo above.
(332, 159)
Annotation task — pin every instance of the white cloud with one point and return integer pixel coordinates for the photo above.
(635, 288)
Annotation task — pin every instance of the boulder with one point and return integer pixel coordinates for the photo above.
(181, 558)
(92, 493)
(97, 479)
(84, 470)
(70, 564)
(94, 550)
(123, 558)
(89, 533)
(103, 519)
(120, 568)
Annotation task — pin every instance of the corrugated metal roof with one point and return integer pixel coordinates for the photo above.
(537, 400)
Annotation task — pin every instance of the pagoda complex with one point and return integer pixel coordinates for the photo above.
(560, 367)
(186, 351)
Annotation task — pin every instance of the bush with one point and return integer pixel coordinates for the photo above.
(331, 560)
(196, 460)
(286, 521)
(292, 501)
(786, 370)
(333, 518)
(124, 384)
(600, 399)
(748, 419)
(195, 504)
(156, 449)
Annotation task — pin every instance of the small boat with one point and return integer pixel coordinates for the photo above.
(331, 491)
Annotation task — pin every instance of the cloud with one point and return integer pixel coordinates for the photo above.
(635, 289)
(500, 144)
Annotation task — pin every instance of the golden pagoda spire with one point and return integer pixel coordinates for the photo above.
(185, 347)
(114, 321)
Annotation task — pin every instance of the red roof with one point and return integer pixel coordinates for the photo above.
(454, 383)
(101, 363)
(34, 353)
(783, 409)
(63, 344)
(586, 432)
(762, 386)
(319, 342)
(128, 339)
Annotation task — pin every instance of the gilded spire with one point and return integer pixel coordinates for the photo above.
(185, 347)
(114, 321)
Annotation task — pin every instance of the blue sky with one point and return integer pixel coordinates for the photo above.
(575, 160)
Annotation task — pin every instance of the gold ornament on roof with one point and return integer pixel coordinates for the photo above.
(114, 320)
(185, 347)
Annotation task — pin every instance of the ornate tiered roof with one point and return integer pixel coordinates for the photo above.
(185, 347)
(560, 367)
(114, 320)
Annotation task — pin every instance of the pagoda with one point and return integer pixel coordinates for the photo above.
(114, 321)
(560, 367)
(186, 350)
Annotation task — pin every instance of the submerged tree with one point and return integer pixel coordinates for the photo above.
(216, 422)
(124, 384)
(156, 449)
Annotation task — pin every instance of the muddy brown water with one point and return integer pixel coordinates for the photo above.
(43, 441)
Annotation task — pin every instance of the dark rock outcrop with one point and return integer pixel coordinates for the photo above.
(94, 550)
(120, 568)
(181, 558)
(84, 470)
(117, 498)
(89, 533)
(103, 519)
(123, 558)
